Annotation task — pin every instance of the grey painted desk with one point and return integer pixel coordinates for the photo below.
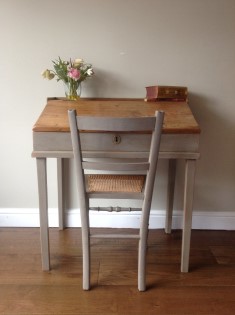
(180, 140)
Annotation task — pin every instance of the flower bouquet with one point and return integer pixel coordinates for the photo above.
(72, 73)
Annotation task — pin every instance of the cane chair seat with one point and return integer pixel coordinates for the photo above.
(115, 183)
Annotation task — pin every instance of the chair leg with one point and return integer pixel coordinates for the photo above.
(86, 247)
(144, 226)
(86, 260)
(142, 263)
(143, 248)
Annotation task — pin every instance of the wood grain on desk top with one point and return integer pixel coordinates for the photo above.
(178, 116)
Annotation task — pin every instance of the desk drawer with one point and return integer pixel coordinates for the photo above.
(61, 141)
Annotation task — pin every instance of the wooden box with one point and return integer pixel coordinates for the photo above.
(166, 93)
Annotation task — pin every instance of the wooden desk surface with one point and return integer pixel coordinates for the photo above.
(178, 116)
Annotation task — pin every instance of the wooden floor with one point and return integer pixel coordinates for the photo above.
(209, 287)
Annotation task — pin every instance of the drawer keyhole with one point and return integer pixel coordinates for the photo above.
(116, 139)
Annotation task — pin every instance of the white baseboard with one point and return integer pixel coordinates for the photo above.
(206, 220)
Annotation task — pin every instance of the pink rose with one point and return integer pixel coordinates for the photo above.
(74, 74)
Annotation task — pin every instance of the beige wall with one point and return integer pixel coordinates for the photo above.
(131, 44)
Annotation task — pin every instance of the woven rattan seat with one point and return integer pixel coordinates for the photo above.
(120, 176)
(115, 183)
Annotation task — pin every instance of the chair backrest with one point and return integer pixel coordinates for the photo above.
(104, 125)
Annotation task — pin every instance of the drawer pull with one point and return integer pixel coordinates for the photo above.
(116, 139)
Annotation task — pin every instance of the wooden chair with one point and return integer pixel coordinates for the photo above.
(115, 186)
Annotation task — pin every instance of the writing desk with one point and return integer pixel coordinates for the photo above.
(180, 140)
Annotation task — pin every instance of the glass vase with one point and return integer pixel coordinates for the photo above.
(72, 90)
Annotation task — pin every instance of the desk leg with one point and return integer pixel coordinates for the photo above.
(60, 179)
(170, 195)
(187, 215)
(43, 211)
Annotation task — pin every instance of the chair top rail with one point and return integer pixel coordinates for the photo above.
(116, 124)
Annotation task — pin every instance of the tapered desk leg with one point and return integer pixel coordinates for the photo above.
(43, 211)
(60, 179)
(187, 216)
(170, 195)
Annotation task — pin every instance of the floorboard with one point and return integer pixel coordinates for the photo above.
(209, 287)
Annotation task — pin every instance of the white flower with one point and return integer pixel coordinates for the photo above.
(90, 71)
(77, 62)
(47, 74)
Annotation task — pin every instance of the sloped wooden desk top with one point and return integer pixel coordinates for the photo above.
(178, 115)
